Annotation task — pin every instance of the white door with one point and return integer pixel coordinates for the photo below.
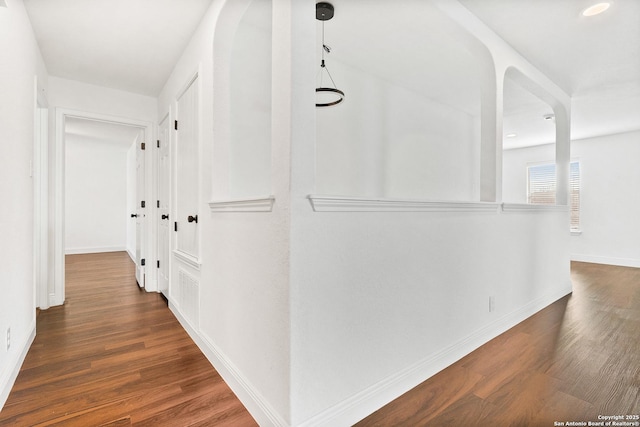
(140, 210)
(164, 221)
(187, 171)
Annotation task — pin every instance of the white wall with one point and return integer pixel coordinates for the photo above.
(386, 140)
(609, 205)
(20, 63)
(383, 301)
(74, 95)
(95, 195)
(250, 145)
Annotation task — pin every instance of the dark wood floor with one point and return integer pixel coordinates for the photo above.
(575, 360)
(114, 355)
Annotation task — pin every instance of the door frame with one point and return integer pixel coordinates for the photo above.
(56, 234)
(40, 171)
(169, 179)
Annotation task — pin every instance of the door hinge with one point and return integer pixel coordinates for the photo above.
(158, 204)
(158, 143)
(175, 124)
(142, 204)
(143, 262)
(175, 226)
(142, 146)
(158, 263)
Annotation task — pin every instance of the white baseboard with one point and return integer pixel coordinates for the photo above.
(12, 368)
(360, 405)
(77, 251)
(374, 397)
(255, 403)
(596, 259)
(132, 255)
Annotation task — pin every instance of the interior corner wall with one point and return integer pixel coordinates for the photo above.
(95, 195)
(243, 323)
(608, 209)
(21, 62)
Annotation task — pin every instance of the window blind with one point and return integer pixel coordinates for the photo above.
(541, 188)
(574, 194)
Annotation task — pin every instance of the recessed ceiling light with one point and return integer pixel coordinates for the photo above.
(511, 135)
(596, 9)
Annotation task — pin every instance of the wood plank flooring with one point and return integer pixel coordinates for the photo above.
(575, 360)
(114, 355)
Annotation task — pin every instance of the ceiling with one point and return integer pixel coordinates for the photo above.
(130, 45)
(595, 60)
(133, 45)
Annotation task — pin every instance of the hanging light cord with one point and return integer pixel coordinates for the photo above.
(322, 65)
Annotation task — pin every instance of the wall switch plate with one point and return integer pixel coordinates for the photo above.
(492, 304)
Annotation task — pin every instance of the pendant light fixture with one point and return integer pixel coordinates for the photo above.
(326, 96)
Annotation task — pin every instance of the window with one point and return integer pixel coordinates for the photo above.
(541, 188)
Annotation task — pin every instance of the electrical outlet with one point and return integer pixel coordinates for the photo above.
(8, 338)
(492, 304)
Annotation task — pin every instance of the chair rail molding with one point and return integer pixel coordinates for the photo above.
(322, 203)
(525, 207)
(261, 204)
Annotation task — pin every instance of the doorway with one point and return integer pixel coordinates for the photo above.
(96, 144)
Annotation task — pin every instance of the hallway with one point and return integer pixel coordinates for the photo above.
(115, 355)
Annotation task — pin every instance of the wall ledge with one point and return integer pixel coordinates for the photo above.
(262, 204)
(524, 207)
(358, 204)
(187, 259)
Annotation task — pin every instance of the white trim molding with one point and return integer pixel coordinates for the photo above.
(358, 204)
(525, 207)
(94, 250)
(597, 259)
(263, 204)
(187, 259)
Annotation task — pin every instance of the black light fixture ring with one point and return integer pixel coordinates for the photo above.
(330, 90)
